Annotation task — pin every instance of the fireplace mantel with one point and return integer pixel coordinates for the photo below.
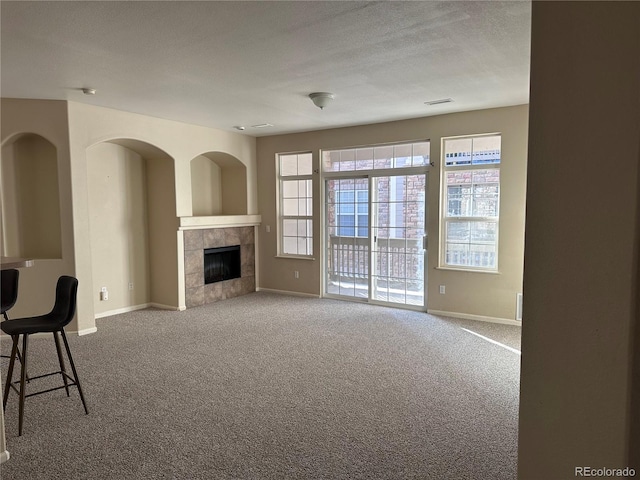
(218, 221)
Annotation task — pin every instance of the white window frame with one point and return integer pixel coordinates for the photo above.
(308, 217)
(444, 204)
(355, 215)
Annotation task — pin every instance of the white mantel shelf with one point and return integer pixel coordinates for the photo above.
(218, 221)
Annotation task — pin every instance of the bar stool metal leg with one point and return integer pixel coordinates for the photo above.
(12, 362)
(73, 369)
(23, 381)
(63, 371)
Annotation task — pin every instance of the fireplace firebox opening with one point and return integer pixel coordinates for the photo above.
(221, 264)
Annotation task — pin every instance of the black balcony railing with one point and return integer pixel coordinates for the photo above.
(348, 258)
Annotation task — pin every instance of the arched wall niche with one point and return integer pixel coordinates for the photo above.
(218, 185)
(132, 222)
(30, 198)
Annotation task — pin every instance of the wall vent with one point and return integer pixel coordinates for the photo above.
(519, 306)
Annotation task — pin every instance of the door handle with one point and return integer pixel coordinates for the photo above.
(425, 242)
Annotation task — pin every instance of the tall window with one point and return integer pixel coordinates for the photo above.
(470, 202)
(296, 202)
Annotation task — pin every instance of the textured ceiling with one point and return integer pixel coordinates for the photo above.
(221, 64)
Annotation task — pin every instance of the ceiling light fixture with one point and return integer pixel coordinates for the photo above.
(262, 125)
(321, 99)
(89, 91)
(438, 102)
(239, 127)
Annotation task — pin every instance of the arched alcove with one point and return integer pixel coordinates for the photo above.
(30, 198)
(132, 214)
(218, 185)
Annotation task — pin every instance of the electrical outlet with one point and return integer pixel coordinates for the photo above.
(130, 285)
(104, 294)
(296, 274)
(442, 289)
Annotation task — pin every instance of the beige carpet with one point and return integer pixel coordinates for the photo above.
(268, 386)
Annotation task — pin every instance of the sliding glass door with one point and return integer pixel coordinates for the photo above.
(398, 239)
(348, 237)
(375, 238)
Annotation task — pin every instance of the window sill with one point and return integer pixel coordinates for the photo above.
(295, 257)
(469, 270)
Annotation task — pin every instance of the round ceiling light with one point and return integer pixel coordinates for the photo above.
(321, 99)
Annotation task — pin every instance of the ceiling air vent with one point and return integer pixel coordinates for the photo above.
(438, 102)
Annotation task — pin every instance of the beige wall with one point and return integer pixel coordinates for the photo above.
(49, 120)
(131, 192)
(116, 184)
(234, 190)
(163, 266)
(31, 200)
(167, 147)
(470, 293)
(219, 185)
(205, 187)
(169, 196)
(581, 286)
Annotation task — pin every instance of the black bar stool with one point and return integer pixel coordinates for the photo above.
(54, 322)
(9, 296)
(8, 290)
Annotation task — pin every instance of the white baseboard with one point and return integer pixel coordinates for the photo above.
(4, 456)
(122, 310)
(287, 292)
(133, 308)
(166, 307)
(481, 318)
(87, 331)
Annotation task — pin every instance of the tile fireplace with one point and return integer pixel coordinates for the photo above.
(229, 242)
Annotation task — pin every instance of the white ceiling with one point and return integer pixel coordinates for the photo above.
(222, 64)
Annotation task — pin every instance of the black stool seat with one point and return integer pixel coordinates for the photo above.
(54, 322)
(41, 324)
